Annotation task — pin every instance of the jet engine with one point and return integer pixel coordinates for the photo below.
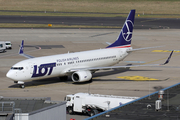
(81, 76)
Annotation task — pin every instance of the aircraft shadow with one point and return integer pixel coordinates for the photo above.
(107, 73)
(112, 72)
(69, 81)
(40, 82)
(116, 71)
(3, 52)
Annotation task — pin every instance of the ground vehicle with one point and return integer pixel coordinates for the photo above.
(92, 104)
(2, 46)
(8, 44)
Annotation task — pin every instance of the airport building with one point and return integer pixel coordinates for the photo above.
(23, 108)
(160, 105)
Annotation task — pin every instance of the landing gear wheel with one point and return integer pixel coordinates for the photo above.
(93, 112)
(22, 86)
(70, 110)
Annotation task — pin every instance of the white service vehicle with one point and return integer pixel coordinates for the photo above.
(92, 104)
(2, 46)
(8, 44)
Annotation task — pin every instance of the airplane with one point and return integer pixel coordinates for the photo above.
(79, 65)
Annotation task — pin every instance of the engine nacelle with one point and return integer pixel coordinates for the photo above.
(81, 76)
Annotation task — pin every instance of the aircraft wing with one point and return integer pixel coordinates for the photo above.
(21, 51)
(113, 67)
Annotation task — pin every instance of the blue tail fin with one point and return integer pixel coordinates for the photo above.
(21, 47)
(125, 35)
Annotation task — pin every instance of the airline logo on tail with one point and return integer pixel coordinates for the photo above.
(127, 30)
(125, 36)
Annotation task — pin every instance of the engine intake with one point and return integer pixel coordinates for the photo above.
(81, 76)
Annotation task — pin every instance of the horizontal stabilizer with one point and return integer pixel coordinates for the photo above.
(21, 51)
(27, 56)
(108, 43)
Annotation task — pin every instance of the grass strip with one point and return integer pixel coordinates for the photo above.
(166, 8)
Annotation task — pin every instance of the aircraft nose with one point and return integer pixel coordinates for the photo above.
(9, 74)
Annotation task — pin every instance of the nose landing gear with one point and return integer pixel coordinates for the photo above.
(21, 84)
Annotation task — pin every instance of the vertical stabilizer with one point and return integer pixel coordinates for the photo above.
(125, 36)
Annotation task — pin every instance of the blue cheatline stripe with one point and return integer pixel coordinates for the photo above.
(129, 103)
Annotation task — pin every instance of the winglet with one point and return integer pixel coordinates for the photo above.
(21, 49)
(167, 61)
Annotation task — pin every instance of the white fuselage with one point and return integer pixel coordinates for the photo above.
(59, 65)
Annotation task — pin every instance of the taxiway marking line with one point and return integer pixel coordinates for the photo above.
(136, 78)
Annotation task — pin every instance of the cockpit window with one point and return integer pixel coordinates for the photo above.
(68, 99)
(8, 43)
(16, 68)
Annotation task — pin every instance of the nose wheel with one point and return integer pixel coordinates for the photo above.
(22, 86)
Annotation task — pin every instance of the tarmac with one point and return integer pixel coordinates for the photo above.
(110, 82)
(140, 23)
